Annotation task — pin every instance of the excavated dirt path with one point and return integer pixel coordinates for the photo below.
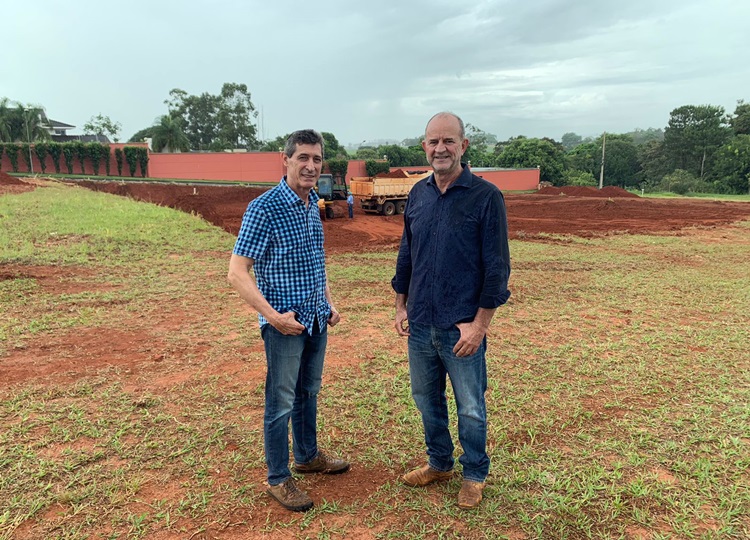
(576, 211)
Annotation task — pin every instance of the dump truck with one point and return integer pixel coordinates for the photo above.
(385, 193)
(329, 189)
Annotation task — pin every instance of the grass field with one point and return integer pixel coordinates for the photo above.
(619, 394)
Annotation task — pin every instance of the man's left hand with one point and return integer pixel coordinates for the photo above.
(334, 317)
(472, 334)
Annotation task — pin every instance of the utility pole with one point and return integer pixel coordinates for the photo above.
(601, 173)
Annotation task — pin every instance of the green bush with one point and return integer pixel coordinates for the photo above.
(55, 150)
(26, 153)
(574, 177)
(679, 181)
(143, 160)
(375, 167)
(118, 160)
(42, 150)
(12, 151)
(68, 154)
(338, 167)
(131, 156)
(106, 155)
(81, 152)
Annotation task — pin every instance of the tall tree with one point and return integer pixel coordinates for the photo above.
(103, 125)
(642, 136)
(570, 140)
(6, 114)
(693, 135)
(527, 153)
(654, 162)
(479, 153)
(275, 145)
(621, 164)
(740, 121)
(331, 147)
(141, 135)
(216, 122)
(731, 171)
(21, 123)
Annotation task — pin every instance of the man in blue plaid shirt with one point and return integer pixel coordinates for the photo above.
(281, 241)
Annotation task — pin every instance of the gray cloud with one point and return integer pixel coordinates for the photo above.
(364, 71)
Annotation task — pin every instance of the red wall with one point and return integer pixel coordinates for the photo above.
(251, 167)
(504, 179)
(233, 167)
(512, 179)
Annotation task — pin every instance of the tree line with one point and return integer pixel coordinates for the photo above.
(701, 149)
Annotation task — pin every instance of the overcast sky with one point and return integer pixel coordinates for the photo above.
(365, 72)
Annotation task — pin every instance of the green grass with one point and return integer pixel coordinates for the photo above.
(619, 383)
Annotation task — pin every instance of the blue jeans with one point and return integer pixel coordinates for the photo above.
(431, 358)
(293, 378)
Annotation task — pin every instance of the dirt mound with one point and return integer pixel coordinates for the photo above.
(8, 180)
(399, 173)
(585, 191)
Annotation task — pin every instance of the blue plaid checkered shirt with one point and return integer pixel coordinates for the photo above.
(285, 240)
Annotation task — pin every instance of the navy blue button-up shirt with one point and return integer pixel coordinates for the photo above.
(284, 237)
(454, 256)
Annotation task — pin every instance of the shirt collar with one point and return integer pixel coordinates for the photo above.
(464, 179)
(291, 197)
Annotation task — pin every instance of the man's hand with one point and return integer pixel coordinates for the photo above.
(334, 317)
(402, 322)
(472, 334)
(287, 324)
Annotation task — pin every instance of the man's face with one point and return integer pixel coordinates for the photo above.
(443, 145)
(303, 168)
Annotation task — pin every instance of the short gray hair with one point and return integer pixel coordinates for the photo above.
(303, 136)
(462, 131)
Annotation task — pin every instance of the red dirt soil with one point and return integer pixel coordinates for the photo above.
(146, 356)
(578, 211)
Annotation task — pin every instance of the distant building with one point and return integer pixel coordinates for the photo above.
(58, 132)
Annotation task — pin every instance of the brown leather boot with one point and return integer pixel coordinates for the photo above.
(323, 463)
(470, 495)
(426, 475)
(290, 496)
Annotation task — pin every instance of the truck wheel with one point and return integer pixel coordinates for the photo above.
(389, 208)
(329, 212)
(400, 207)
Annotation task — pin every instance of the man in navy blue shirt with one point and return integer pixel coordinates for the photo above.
(281, 241)
(451, 275)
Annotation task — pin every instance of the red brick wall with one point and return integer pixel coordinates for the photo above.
(505, 179)
(249, 167)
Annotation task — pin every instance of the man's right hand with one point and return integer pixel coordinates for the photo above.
(287, 324)
(402, 322)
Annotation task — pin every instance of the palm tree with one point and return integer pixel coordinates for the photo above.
(6, 120)
(33, 128)
(168, 135)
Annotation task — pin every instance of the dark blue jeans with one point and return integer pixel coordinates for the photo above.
(431, 359)
(293, 378)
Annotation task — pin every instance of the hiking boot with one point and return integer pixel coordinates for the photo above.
(290, 496)
(470, 495)
(426, 475)
(323, 463)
